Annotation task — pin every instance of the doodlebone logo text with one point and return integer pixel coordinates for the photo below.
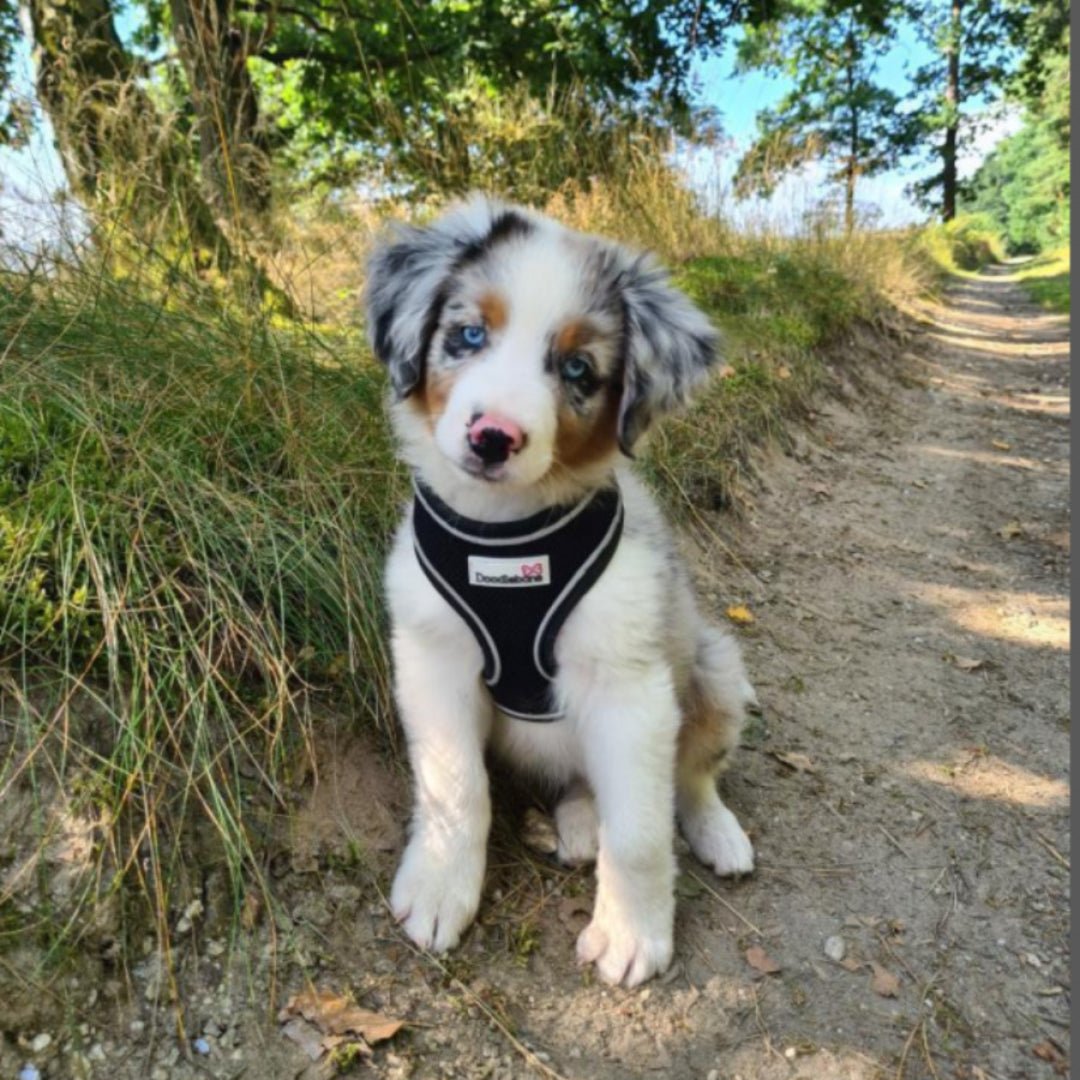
(513, 573)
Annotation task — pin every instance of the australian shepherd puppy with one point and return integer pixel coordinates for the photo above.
(526, 362)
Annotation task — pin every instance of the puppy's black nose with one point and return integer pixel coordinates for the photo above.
(491, 445)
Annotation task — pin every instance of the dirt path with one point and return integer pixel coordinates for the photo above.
(908, 570)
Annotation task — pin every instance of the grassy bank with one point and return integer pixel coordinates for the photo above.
(1046, 278)
(194, 506)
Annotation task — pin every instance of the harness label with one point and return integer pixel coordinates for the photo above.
(513, 573)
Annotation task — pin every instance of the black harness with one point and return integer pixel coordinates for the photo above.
(515, 583)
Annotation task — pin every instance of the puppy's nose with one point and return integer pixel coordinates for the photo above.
(494, 438)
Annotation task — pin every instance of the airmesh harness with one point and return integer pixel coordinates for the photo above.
(516, 582)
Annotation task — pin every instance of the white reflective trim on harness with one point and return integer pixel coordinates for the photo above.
(529, 716)
(616, 521)
(504, 540)
(477, 621)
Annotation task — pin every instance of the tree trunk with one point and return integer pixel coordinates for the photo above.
(851, 171)
(117, 152)
(234, 158)
(952, 111)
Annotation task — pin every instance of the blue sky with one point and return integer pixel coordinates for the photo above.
(29, 179)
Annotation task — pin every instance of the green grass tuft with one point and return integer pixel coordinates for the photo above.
(193, 510)
(1046, 278)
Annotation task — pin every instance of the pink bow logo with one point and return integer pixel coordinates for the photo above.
(534, 572)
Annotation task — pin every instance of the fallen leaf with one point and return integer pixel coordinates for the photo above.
(1048, 1051)
(1010, 530)
(849, 963)
(337, 1015)
(761, 961)
(884, 982)
(250, 911)
(740, 614)
(965, 663)
(726, 372)
(794, 760)
(821, 490)
(687, 887)
(783, 372)
(998, 444)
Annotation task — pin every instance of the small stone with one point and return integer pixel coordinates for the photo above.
(215, 948)
(835, 948)
(200, 1046)
(96, 1053)
(137, 1027)
(41, 1042)
(29, 1072)
(791, 1053)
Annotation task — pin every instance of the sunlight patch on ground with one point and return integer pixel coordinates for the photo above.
(1024, 618)
(991, 457)
(981, 775)
(977, 341)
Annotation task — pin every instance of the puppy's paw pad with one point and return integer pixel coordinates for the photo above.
(433, 906)
(623, 957)
(719, 841)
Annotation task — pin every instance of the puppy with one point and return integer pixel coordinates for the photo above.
(537, 602)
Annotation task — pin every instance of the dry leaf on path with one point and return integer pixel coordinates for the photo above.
(1010, 530)
(337, 1015)
(726, 372)
(1000, 444)
(794, 760)
(849, 963)
(884, 982)
(821, 490)
(761, 961)
(740, 614)
(250, 911)
(965, 663)
(1048, 1051)
(783, 372)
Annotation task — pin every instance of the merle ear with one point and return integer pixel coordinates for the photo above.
(408, 276)
(404, 297)
(669, 347)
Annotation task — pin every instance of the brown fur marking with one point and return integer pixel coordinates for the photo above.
(584, 440)
(573, 336)
(494, 309)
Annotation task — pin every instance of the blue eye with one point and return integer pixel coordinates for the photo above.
(575, 367)
(474, 336)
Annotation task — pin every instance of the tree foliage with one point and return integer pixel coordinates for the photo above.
(835, 112)
(972, 59)
(1023, 185)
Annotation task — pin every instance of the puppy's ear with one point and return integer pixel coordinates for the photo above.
(408, 276)
(669, 346)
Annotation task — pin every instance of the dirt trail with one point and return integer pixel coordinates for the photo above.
(908, 570)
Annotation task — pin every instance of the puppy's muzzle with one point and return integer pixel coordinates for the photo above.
(494, 438)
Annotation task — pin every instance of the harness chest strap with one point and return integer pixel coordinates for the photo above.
(515, 583)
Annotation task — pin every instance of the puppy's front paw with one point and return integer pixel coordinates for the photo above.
(435, 898)
(627, 950)
(718, 840)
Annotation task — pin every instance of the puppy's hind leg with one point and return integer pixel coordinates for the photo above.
(577, 825)
(714, 711)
